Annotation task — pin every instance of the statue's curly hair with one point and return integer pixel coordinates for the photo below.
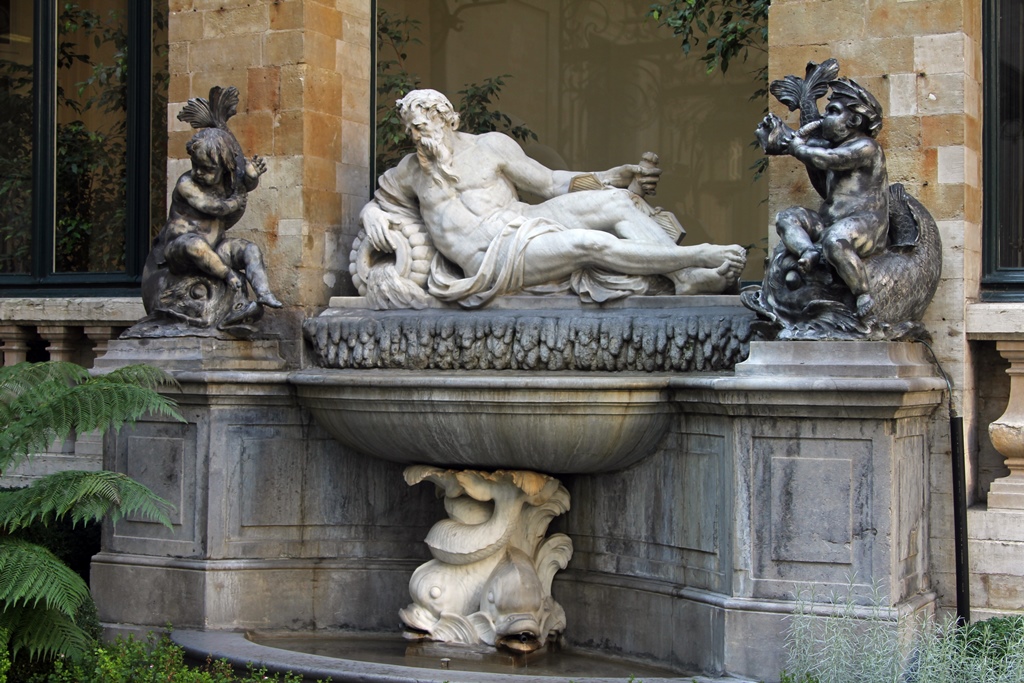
(217, 146)
(431, 101)
(859, 101)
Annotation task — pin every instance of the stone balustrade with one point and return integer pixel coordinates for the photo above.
(66, 329)
(996, 530)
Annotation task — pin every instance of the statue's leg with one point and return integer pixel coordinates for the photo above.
(844, 243)
(644, 248)
(555, 255)
(799, 228)
(192, 250)
(609, 210)
(244, 255)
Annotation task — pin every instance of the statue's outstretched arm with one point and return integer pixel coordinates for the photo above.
(207, 202)
(845, 157)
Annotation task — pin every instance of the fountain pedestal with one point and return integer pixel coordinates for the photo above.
(490, 579)
(805, 469)
(701, 502)
(274, 526)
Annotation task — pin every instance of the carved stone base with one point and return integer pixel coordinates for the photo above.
(1007, 493)
(558, 333)
(490, 579)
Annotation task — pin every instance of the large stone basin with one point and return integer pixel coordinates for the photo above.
(569, 423)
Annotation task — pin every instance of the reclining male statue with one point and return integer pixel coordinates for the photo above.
(464, 190)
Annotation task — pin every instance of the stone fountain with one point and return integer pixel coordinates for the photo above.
(447, 227)
(567, 364)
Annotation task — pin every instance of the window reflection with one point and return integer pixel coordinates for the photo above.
(599, 83)
(91, 128)
(1011, 135)
(15, 135)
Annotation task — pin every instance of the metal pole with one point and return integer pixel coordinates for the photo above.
(963, 577)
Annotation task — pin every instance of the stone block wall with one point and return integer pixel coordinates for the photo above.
(302, 68)
(922, 60)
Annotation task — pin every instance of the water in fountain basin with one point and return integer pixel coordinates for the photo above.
(392, 650)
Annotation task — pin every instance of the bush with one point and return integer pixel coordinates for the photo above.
(857, 644)
(154, 660)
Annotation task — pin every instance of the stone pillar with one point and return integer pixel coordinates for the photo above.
(100, 336)
(302, 68)
(1007, 433)
(63, 342)
(15, 340)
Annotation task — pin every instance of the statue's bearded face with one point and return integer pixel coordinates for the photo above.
(430, 133)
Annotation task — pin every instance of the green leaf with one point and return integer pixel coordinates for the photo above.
(43, 633)
(30, 574)
(40, 402)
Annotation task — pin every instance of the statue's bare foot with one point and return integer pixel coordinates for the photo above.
(268, 299)
(715, 255)
(706, 280)
(865, 303)
(808, 261)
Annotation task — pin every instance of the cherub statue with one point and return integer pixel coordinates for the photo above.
(866, 263)
(195, 272)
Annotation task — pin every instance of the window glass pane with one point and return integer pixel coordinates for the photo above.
(15, 136)
(600, 84)
(1010, 132)
(90, 201)
(160, 80)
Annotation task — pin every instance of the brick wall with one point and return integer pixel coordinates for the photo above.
(922, 60)
(302, 68)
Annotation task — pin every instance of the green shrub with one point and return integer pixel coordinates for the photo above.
(866, 644)
(154, 660)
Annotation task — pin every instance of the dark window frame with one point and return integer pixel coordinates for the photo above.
(42, 281)
(999, 283)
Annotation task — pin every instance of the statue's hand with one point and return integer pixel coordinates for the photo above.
(233, 281)
(623, 176)
(378, 227)
(806, 132)
(774, 135)
(237, 201)
(259, 164)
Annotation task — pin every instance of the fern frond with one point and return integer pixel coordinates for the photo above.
(30, 574)
(20, 378)
(84, 496)
(139, 375)
(44, 406)
(43, 633)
